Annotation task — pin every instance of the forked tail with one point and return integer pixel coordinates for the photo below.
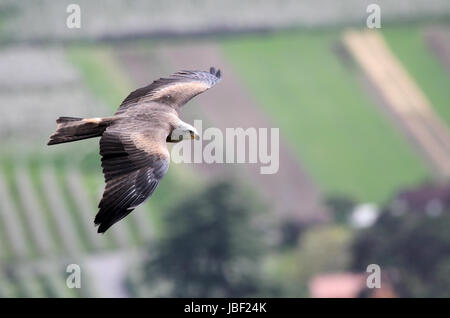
(71, 129)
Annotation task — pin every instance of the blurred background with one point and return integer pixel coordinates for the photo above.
(364, 121)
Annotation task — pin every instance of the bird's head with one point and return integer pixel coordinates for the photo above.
(183, 131)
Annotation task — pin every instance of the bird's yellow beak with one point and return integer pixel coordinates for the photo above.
(195, 136)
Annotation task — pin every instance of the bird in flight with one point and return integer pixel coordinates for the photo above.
(133, 143)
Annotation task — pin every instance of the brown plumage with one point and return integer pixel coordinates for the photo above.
(133, 141)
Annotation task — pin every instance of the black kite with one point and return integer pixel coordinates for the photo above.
(133, 141)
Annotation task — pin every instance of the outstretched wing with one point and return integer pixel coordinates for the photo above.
(175, 90)
(134, 161)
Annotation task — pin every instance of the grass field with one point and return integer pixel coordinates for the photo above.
(338, 132)
(346, 143)
(408, 44)
(101, 74)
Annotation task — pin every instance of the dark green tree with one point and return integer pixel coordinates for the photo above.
(413, 250)
(341, 208)
(212, 247)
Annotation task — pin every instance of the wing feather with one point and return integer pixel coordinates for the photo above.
(175, 90)
(132, 171)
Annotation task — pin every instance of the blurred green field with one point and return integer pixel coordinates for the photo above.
(305, 84)
(408, 44)
(100, 72)
(318, 103)
(345, 142)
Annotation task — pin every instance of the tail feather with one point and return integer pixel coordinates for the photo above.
(67, 119)
(71, 129)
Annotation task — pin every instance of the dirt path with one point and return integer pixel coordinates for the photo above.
(403, 97)
(291, 191)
